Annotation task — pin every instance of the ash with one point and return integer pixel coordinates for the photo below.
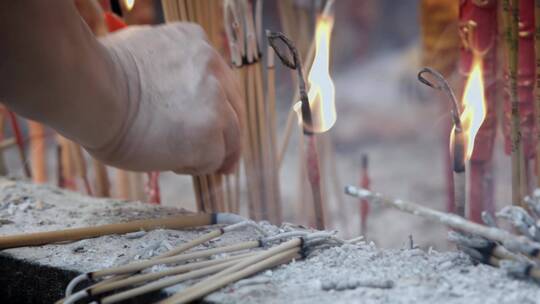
(351, 273)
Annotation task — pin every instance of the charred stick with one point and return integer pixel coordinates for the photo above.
(511, 241)
(312, 158)
(457, 137)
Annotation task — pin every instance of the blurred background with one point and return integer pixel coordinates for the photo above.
(382, 112)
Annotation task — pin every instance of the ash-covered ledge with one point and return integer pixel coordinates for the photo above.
(40, 274)
(352, 273)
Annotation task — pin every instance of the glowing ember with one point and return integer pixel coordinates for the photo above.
(322, 92)
(129, 4)
(474, 107)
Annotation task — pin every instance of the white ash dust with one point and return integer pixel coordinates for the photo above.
(365, 274)
(65, 209)
(360, 273)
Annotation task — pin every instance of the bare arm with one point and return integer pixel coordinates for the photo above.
(147, 98)
(53, 70)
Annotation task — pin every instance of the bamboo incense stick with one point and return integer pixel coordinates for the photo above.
(186, 268)
(102, 187)
(80, 165)
(195, 291)
(208, 189)
(134, 267)
(38, 152)
(136, 186)
(123, 184)
(277, 259)
(197, 192)
(66, 164)
(511, 25)
(74, 234)
(166, 282)
(272, 118)
(200, 240)
(20, 143)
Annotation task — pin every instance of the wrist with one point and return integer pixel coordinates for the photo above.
(124, 108)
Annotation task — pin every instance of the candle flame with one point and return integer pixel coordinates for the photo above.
(321, 93)
(129, 4)
(474, 107)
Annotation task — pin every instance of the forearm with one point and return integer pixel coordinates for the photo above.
(53, 70)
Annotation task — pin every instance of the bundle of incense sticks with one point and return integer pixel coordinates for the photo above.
(212, 192)
(243, 31)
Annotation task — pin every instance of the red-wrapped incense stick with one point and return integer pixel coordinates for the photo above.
(364, 204)
(478, 32)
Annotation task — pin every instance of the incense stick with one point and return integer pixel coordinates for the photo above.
(20, 142)
(521, 243)
(80, 165)
(208, 189)
(243, 269)
(38, 153)
(537, 87)
(3, 167)
(364, 204)
(67, 163)
(134, 267)
(259, 157)
(166, 282)
(74, 234)
(312, 158)
(101, 179)
(511, 24)
(458, 141)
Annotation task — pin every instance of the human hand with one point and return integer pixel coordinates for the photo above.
(183, 107)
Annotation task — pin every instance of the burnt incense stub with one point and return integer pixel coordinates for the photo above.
(458, 152)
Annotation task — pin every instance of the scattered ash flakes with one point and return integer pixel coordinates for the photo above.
(364, 274)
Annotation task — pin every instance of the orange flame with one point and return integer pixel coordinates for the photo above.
(129, 4)
(474, 107)
(321, 87)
